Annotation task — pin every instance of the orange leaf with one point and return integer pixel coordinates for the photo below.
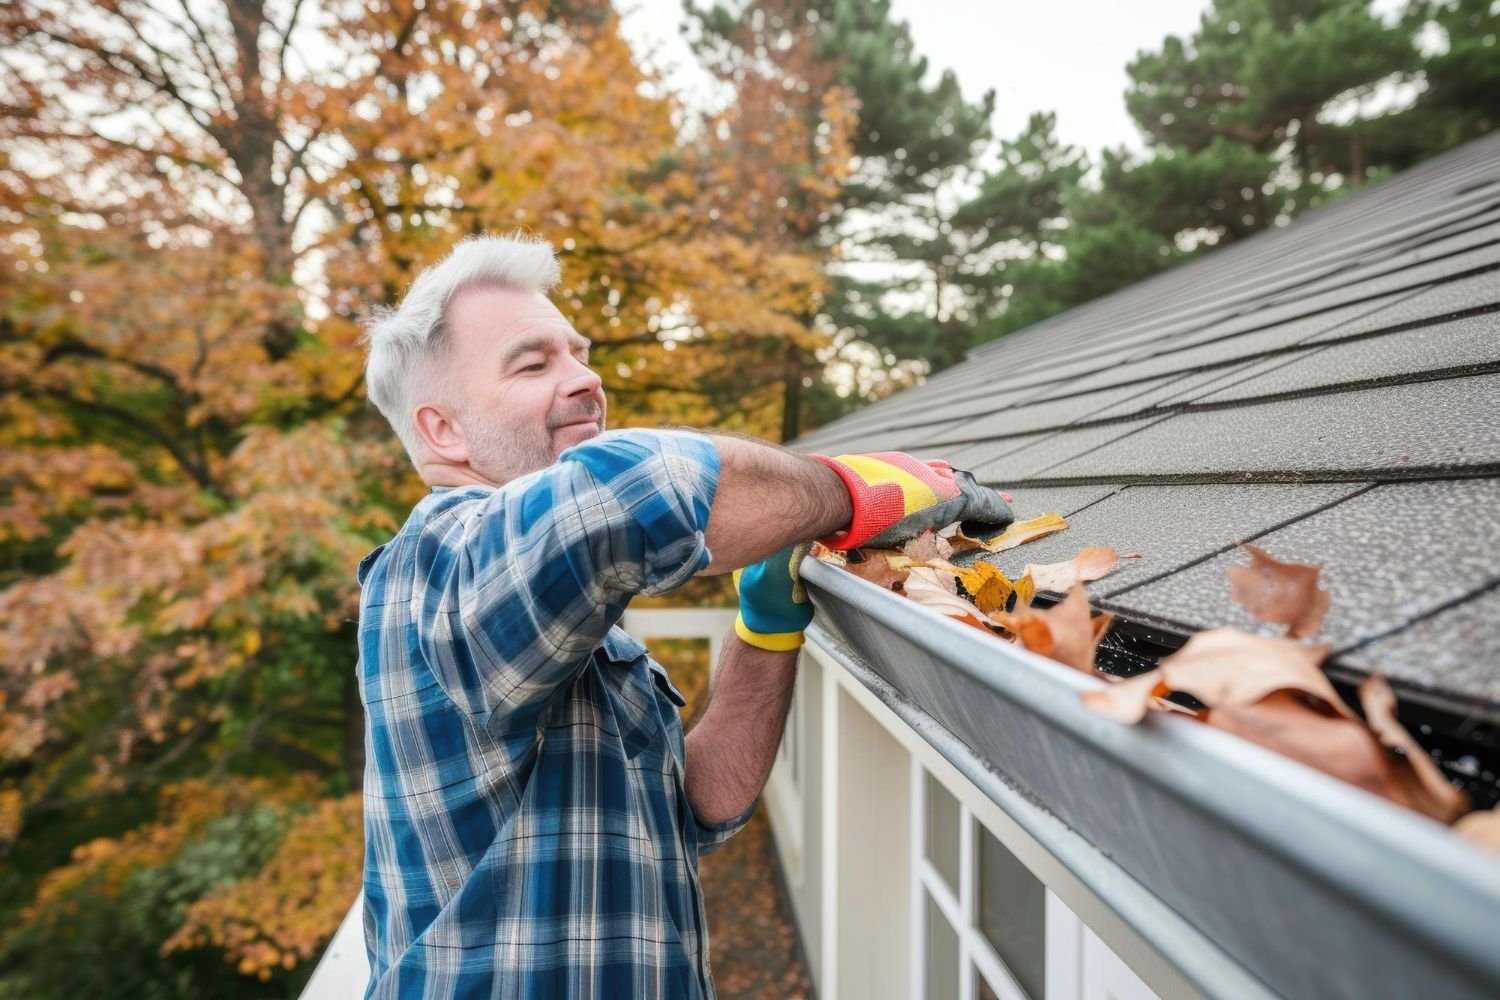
(990, 588)
(1066, 632)
(1127, 700)
(1025, 589)
(1284, 593)
(1089, 565)
(1428, 789)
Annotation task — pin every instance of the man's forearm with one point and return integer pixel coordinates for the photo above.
(731, 750)
(769, 498)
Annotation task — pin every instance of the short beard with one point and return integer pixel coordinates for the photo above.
(501, 454)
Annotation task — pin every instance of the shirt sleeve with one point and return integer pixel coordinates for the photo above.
(534, 574)
(711, 836)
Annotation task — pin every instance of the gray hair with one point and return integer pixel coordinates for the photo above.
(408, 342)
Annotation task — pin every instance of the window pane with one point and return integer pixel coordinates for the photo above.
(942, 954)
(942, 831)
(1012, 913)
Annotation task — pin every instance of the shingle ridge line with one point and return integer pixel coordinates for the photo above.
(1389, 474)
(1253, 536)
(1479, 591)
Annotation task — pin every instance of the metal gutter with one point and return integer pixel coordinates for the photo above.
(1309, 885)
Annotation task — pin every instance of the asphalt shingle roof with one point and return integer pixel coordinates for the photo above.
(1329, 390)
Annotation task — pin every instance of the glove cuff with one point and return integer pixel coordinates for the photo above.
(775, 642)
(876, 506)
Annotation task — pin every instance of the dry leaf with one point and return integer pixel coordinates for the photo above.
(1289, 724)
(1025, 590)
(1226, 667)
(1222, 668)
(836, 556)
(1283, 593)
(990, 588)
(1483, 828)
(929, 587)
(1089, 565)
(1127, 700)
(1066, 632)
(1016, 534)
(876, 568)
(1426, 785)
(928, 547)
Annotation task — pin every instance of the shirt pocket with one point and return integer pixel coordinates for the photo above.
(642, 707)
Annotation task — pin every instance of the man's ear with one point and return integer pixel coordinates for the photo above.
(441, 435)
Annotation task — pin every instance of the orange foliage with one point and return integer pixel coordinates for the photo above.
(186, 809)
(193, 219)
(287, 912)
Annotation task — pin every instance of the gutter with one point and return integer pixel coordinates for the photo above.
(1248, 871)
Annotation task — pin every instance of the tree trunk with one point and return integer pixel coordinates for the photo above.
(791, 406)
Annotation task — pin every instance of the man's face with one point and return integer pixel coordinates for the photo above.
(526, 392)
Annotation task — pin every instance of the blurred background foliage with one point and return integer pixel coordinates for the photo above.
(199, 200)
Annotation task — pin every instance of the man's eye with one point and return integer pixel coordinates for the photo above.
(536, 367)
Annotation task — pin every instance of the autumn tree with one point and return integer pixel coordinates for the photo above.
(198, 204)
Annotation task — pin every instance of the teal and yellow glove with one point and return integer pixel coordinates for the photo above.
(774, 609)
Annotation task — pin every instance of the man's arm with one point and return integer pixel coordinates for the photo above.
(731, 750)
(769, 498)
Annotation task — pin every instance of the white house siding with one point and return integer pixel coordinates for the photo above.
(865, 920)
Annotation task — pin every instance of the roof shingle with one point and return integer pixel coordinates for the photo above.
(1330, 389)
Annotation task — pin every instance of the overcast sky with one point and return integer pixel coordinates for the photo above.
(1066, 56)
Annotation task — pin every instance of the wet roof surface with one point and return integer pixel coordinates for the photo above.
(1329, 391)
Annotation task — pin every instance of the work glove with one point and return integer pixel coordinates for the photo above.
(774, 609)
(897, 497)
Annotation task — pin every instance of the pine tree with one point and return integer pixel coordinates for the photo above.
(915, 145)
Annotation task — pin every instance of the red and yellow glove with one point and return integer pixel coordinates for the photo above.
(897, 497)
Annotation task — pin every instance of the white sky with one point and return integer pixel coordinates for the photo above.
(1066, 56)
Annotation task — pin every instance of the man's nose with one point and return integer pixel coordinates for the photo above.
(582, 380)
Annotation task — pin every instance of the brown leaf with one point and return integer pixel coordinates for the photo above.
(1016, 534)
(1089, 565)
(1226, 667)
(1425, 783)
(928, 547)
(1294, 727)
(876, 568)
(1483, 828)
(1066, 632)
(1284, 593)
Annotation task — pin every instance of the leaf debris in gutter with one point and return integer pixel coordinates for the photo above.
(1270, 690)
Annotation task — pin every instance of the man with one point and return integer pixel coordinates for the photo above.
(533, 813)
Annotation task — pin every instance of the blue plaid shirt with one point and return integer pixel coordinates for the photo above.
(527, 834)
